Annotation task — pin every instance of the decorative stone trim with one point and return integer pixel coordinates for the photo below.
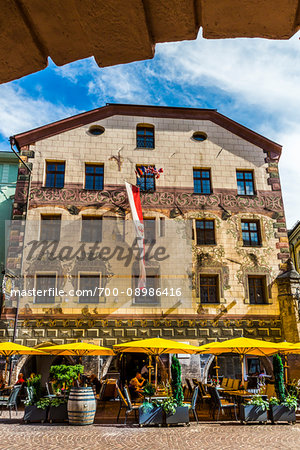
(167, 199)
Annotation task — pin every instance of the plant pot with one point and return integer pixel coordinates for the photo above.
(153, 417)
(281, 413)
(253, 413)
(34, 414)
(58, 413)
(181, 416)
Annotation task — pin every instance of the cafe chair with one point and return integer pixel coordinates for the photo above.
(49, 393)
(224, 383)
(11, 402)
(229, 384)
(189, 386)
(220, 404)
(192, 404)
(125, 402)
(236, 385)
(195, 381)
(203, 395)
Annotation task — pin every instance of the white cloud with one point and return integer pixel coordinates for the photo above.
(263, 72)
(20, 112)
(255, 73)
(119, 82)
(254, 81)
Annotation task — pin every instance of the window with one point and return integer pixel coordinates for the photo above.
(150, 231)
(162, 227)
(50, 227)
(145, 136)
(199, 136)
(146, 181)
(257, 290)
(55, 174)
(253, 365)
(148, 295)
(251, 233)
(91, 229)
(46, 284)
(209, 289)
(202, 183)
(94, 176)
(205, 232)
(114, 228)
(245, 182)
(89, 285)
(96, 130)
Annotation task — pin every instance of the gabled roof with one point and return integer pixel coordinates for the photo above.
(111, 109)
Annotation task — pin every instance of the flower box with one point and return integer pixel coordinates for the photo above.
(150, 417)
(58, 413)
(181, 416)
(281, 413)
(253, 413)
(34, 414)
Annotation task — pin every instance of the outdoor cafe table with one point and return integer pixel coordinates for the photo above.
(239, 396)
(156, 397)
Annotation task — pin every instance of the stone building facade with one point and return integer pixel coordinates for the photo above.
(294, 241)
(219, 179)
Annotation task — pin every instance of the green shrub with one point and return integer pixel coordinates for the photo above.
(274, 401)
(149, 389)
(35, 386)
(176, 381)
(169, 406)
(290, 402)
(43, 403)
(257, 400)
(279, 378)
(147, 407)
(64, 377)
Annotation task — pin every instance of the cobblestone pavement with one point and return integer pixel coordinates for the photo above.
(15, 435)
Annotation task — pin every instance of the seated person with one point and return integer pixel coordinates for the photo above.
(20, 379)
(2, 381)
(136, 386)
(94, 381)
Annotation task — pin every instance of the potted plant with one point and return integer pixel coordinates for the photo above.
(255, 410)
(283, 408)
(176, 411)
(58, 411)
(33, 412)
(150, 413)
(283, 412)
(64, 377)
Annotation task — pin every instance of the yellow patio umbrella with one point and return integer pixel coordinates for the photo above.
(155, 347)
(8, 349)
(242, 346)
(288, 348)
(78, 349)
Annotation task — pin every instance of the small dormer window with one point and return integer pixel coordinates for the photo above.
(96, 130)
(145, 136)
(199, 136)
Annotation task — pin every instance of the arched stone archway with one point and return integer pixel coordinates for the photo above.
(44, 362)
(206, 368)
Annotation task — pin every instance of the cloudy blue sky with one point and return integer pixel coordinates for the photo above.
(253, 81)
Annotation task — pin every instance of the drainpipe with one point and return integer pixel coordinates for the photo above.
(293, 255)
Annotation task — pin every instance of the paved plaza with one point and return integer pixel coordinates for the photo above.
(15, 435)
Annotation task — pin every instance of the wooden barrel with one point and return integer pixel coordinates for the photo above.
(81, 406)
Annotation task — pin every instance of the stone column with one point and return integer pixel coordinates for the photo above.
(288, 282)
